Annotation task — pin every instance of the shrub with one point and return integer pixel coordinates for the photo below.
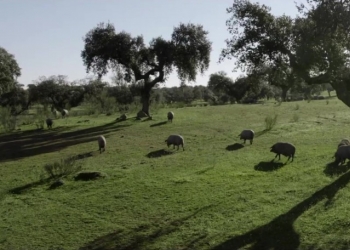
(278, 103)
(91, 109)
(270, 122)
(26, 119)
(8, 121)
(62, 168)
(109, 105)
(40, 117)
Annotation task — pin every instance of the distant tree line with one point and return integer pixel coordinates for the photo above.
(58, 93)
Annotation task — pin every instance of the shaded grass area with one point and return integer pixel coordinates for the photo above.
(26, 187)
(280, 233)
(33, 143)
(217, 194)
(141, 236)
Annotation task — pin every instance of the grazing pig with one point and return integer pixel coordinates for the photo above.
(175, 140)
(101, 143)
(283, 148)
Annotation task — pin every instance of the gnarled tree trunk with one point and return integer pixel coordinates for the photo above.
(146, 99)
(284, 93)
(343, 93)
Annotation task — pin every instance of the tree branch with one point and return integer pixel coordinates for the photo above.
(137, 72)
(140, 76)
(151, 64)
(159, 78)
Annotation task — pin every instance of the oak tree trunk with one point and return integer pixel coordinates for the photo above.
(284, 94)
(343, 93)
(145, 100)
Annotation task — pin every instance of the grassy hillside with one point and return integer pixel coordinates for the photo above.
(206, 197)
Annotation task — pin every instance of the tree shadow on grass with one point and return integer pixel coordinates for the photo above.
(268, 166)
(140, 237)
(147, 119)
(158, 124)
(159, 153)
(27, 134)
(18, 146)
(27, 187)
(333, 170)
(234, 147)
(123, 120)
(279, 233)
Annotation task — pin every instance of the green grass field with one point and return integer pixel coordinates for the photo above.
(206, 197)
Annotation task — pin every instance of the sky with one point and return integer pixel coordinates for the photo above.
(46, 36)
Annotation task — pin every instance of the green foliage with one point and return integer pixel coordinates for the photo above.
(26, 119)
(278, 102)
(188, 51)
(57, 92)
(122, 94)
(17, 99)
(9, 71)
(270, 122)
(220, 83)
(293, 48)
(104, 46)
(100, 103)
(40, 116)
(62, 168)
(8, 121)
(191, 50)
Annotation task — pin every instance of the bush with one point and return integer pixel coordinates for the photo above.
(100, 104)
(8, 121)
(26, 119)
(270, 122)
(109, 105)
(63, 168)
(40, 117)
(92, 108)
(278, 103)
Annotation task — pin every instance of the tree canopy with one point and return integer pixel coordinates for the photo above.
(314, 45)
(9, 71)
(188, 51)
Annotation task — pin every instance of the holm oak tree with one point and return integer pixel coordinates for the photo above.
(315, 45)
(9, 71)
(188, 51)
